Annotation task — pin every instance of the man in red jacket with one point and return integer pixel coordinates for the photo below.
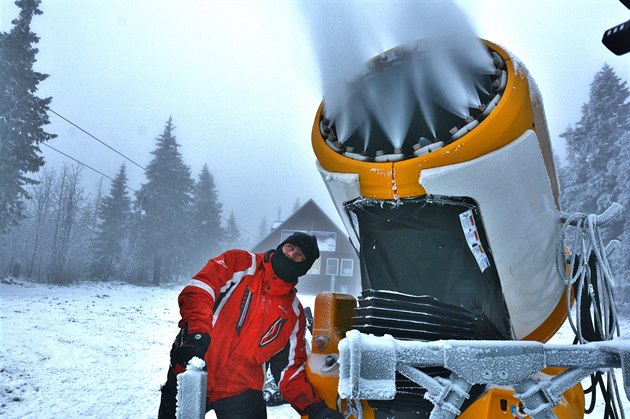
(238, 312)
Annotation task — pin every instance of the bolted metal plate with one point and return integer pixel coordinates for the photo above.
(502, 363)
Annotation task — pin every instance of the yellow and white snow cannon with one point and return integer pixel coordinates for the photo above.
(455, 216)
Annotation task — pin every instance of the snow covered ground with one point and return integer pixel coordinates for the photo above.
(97, 350)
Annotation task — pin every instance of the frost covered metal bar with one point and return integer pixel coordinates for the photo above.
(191, 391)
(368, 366)
(539, 397)
(447, 395)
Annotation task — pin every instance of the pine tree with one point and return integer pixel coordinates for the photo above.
(22, 113)
(263, 228)
(80, 246)
(591, 174)
(164, 202)
(598, 170)
(621, 194)
(296, 205)
(206, 231)
(114, 214)
(232, 233)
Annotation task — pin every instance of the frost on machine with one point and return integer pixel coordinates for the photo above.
(449, 194)
(191, 391)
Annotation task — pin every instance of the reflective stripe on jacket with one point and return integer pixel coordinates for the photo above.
(250, 315)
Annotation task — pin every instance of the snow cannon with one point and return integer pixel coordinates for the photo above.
(451, 201)
(464, 210)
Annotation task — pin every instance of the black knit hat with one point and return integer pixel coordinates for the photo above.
(289, 270)
(306, 243)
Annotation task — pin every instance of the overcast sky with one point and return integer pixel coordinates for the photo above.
(241, 81)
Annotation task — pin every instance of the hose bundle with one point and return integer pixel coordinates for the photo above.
(586, 270)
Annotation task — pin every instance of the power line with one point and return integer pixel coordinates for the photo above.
(117, 152)
(97, 139)
(86, 165)
(112, 179)
(126, 186)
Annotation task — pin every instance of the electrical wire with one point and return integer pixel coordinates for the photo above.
(577, 269)
(99, 140)
(103, 174)
(119, 153)
(85, 165)
(586, 270)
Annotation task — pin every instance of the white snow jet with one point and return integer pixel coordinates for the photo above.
(439, 63)
(342, 44)
(391, 89)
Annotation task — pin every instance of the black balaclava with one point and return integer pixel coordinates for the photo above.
(288, 270)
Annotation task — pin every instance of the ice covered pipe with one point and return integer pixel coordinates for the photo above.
(458, 204)
(368, 366)
(191, 391)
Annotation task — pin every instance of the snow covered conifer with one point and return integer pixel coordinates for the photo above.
(164, 204)
(263, 228)
(593, 146)
(621, 194)
(111, 230)
(206, 231)
(296, 205)
(22, 113)
(598, 167)
(232, 234)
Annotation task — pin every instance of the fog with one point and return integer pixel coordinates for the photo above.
(243, 79)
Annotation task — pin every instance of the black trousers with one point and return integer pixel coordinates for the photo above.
(249, 404)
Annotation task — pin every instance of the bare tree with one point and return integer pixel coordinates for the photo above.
(40, 209)
(68, 195)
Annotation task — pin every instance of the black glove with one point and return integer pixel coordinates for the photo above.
(320, 410)
(186, 347)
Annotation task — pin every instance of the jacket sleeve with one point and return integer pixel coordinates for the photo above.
(294, 384)
(197, 299)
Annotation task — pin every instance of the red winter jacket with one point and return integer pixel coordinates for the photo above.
(250, 315)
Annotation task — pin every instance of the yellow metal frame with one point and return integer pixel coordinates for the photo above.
(507, 121)
(499, 402)
(332, 317)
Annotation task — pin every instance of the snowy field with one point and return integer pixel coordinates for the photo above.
(96, 350)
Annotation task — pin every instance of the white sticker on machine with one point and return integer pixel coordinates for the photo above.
(472, 238)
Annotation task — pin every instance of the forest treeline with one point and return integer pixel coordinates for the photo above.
(167, 228)
(53, 230)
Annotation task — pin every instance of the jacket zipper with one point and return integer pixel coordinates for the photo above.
(245, 304)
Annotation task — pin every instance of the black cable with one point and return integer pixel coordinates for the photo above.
(100, 141)
(86, 165)
(112, 179)
(117, 152)
(592, 328)
(592, 389)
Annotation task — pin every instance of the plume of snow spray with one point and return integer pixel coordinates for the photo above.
(443, 58)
